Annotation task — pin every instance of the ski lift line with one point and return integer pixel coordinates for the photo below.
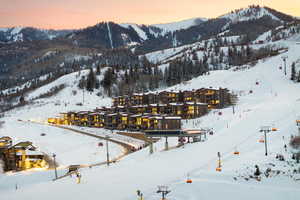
(225, 155)
(109, 35)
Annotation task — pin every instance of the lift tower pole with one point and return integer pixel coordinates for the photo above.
(107, 153)
(55, 170)
(284, 60)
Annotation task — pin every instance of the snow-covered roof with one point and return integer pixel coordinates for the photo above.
(195, 103)
(177, 118)
(176, 104)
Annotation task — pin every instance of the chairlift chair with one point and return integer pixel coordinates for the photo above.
(218, 169)
(188, 180)
(261, 140)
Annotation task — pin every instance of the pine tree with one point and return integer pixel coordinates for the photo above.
(298, 79)
(293, 72)
(22, 100)
(82, 83)
(91, 81)
(108, 80)
(98, 71)
(248, 53)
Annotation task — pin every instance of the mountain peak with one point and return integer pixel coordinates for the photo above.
(250, 13)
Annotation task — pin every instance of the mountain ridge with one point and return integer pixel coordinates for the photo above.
(165, 33)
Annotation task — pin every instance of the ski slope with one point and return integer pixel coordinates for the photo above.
(184, 24)
(275, 101)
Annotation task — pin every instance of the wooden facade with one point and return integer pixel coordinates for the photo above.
(214, 97)
(139, 117)
(150, 110)
(21, 156)
(124, 121)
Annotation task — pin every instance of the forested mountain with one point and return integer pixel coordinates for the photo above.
(20, 34)
(156, 37)
(30, 57)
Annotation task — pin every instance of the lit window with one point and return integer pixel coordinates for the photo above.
(138, 121)
(191, 110)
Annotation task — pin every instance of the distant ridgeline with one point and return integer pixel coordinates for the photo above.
(150, 111)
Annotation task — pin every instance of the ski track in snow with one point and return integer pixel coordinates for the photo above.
(109, 35)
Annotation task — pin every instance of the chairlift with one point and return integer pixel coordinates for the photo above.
(181, 139)
(236, 152)
(188, 180)
(218, 169)
(100, 144)
(261, 140)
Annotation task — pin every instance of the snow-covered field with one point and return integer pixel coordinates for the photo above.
(275, 101)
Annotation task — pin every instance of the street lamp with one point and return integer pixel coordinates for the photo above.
(284, 60)
(55, 170)
(107, 153)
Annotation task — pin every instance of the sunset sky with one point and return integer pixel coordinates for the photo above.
(60, 14)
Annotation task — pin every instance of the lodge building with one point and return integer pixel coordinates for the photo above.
(151, 111)
(20, 156)
(215, 98)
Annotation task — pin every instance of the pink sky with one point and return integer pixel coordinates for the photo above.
(59, 14)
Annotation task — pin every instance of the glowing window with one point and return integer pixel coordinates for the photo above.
(138, 121)
(191, 110)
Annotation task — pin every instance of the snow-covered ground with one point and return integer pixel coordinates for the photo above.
(184, 24)
(137, 29)
(275, 101)
(249, 14)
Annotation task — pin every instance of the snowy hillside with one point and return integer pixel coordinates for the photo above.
(137, 29)
(19, 34)
(162, 29)
(184, 24)
(13, 33)
(274, 101)
(248, 14)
